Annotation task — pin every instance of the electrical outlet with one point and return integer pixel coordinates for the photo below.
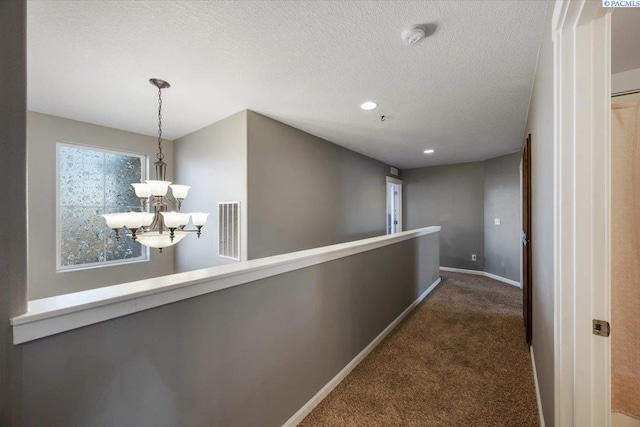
(496, 221)
(474, 257)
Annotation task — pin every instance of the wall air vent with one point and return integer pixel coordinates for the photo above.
(229, 230)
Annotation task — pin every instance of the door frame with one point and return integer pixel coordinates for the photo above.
(581, 150)
(526, 251)
(399, 182)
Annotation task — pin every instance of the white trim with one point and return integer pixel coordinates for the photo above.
(482, 273)
(462, 270)
(626, 81)
(393, 180)
(102, 264)
(328, 388)
(535, 379)
(502, 279)
(398, 182)
(49, 316)
(581, 171)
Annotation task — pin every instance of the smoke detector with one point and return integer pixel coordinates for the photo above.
(413, 35)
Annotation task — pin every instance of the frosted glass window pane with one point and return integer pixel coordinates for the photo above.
(120, 172)
(81, 177)
(125, 249)
(93, 182)
(81, 235)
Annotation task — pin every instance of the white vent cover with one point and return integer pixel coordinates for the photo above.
(229, 230)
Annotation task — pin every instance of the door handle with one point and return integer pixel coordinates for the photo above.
(525, 241)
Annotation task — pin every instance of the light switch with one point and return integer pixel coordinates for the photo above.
(496, 221)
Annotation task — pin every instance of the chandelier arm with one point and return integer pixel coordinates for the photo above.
(143, 230)
(154, 223)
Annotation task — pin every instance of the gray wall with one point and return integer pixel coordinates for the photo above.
(306, 192)
(43, 131)
(268, 346)
(540, 125)
(213, 160)
(464, 199)
(451, 196)
(13, 192)
(502, 200)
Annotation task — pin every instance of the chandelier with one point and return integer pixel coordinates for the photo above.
(161, 228)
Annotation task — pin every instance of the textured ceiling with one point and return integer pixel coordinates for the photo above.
(464, 91)
(625, 39)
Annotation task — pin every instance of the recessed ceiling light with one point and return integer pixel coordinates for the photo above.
(429, 151)
(368, 105)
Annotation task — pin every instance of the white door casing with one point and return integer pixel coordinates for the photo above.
(394, 205)
(582, 108)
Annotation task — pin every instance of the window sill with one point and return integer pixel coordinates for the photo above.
(49, 316)
(114, 263)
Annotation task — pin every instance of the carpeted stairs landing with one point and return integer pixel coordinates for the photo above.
(459, 359)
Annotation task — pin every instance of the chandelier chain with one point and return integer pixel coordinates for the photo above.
(160, 156)
(159, 228)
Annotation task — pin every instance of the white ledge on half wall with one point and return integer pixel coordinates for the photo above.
(53, 315)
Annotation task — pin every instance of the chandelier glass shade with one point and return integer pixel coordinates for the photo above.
(156, 226)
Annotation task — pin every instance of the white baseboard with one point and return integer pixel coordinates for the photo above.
(535, 379)
(462, 270)
(324, 391)
(501, 279)
(481, 273)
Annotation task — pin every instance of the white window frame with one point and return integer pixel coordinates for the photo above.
(68, 268)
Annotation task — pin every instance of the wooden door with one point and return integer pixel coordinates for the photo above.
(527, 283)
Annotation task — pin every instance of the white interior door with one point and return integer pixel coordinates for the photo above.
(394, 205)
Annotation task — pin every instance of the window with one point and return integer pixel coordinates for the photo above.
(91, 182)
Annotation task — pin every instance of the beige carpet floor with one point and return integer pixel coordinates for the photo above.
(459, 359)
